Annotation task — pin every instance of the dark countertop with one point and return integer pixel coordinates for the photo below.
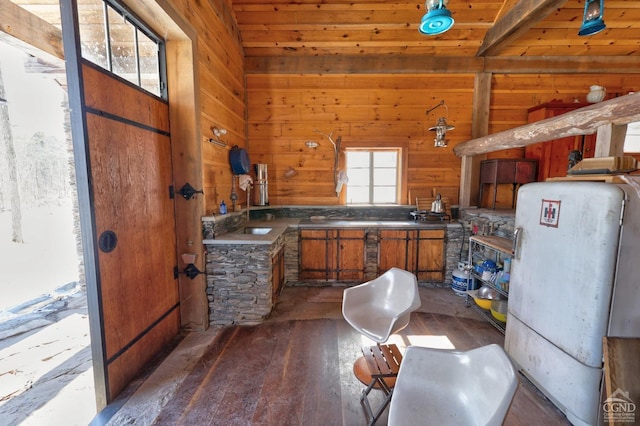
(359, 223)
(279, 226)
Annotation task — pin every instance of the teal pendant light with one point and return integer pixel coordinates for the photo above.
(593, 20)
(437, 19)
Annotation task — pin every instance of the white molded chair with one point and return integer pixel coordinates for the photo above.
(443, 387)
(382, 306)
(377, 309)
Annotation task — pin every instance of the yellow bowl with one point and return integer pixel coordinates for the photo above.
(483, 303)
(500, 317)
(499, 310)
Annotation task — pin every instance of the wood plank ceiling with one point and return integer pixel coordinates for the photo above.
(373, 36)
(382, 36)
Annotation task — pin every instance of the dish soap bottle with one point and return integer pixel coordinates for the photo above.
(223, 208)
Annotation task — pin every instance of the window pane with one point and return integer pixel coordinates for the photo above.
(358, 159)
(357, 194)
(149, 64)
(384, 194)
(358, 177)
(123, 54)
(92, 36)
(384, 176)
(385, 159)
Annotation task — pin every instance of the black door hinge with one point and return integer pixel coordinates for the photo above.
(172, 192)
(176, 272)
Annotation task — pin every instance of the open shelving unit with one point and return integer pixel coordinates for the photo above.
(482, 247)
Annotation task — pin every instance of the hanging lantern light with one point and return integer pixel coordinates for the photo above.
(593, 18)
(441, 127)
(437, 19)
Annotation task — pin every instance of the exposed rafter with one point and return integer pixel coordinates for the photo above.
(518, 20)
(22, 28)
(346, 64)
(583, 121)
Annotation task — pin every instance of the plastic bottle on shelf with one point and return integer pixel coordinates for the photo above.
(223, 208)
(505, 275)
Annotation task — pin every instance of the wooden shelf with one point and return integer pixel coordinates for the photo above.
(504, 245)
(590, 178)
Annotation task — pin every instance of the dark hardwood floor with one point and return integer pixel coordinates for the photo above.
(296, 368)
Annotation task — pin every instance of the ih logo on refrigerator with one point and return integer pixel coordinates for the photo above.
(550, 213)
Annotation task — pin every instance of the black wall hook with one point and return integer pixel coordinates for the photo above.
(188, 191)
(191, 271)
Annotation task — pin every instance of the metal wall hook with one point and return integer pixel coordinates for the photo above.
(188, 191)
(190, 271)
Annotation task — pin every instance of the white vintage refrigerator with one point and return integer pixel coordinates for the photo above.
(575, 278)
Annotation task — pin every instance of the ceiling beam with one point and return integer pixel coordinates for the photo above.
(25, 30)
(584, 121)
(345, 64)
(518, 20)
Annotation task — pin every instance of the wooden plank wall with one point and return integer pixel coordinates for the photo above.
(378, 110)
(221, 91)
(285, 110)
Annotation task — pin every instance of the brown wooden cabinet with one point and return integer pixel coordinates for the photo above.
(420, 251)
(553, 156)
(515, 171)
(332, 254)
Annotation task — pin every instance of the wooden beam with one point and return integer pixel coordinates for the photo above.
(562, 64)
(583, 121)
(518, 20)
(470, 166)
(27, 31)
(505, 8)
(610, 140)
(346, 64)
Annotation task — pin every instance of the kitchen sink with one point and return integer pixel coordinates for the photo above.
(256, 231)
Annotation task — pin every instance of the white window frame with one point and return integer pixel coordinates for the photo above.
(372, 182)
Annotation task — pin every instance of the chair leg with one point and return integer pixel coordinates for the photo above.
(364, 400)
(381, 362)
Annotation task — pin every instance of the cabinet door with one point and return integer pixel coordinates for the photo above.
(395, 250)
(430, 254)
(317, 254)
(351, 254)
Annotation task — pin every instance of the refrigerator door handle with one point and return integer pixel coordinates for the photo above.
(516, 243)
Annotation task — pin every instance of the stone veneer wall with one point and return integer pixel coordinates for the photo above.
(239, 278)
(485, 222)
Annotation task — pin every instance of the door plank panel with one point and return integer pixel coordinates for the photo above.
(129, 150)
(113, 96)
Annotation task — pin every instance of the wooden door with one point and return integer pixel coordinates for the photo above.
(128, 144)
(123, 162)
(395, 249)
(351, 254)
(318, 254)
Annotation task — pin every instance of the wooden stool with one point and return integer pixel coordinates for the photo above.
(378, 368)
